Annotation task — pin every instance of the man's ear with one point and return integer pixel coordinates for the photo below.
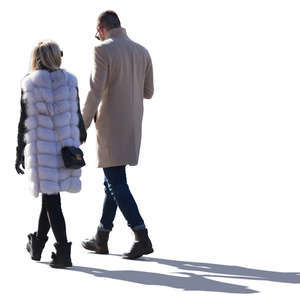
(103, 31)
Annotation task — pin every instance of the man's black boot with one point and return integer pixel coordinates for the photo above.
(142, 245)
(97, 243)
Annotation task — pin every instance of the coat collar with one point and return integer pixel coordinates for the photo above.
(116, 32)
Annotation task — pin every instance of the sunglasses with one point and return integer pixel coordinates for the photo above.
(97, 35)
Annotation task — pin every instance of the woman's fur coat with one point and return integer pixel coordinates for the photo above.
(43, 159)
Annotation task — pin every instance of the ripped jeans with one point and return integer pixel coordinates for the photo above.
(117, 194)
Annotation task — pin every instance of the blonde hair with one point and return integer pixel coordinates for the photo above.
(46, 55)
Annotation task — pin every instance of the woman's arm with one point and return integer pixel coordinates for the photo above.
(81, 126)
(21, 141)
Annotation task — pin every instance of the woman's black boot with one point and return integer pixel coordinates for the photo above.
(35, 246)
(62, 257)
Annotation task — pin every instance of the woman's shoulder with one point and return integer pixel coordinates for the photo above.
(44, 78)
(70, 78)
(40, 78)
(26, 83)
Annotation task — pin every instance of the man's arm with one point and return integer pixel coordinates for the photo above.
(97, 85)
(148, 84)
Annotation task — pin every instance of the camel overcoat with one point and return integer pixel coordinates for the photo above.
(121, 78)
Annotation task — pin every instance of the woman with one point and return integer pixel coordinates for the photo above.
(50, 117)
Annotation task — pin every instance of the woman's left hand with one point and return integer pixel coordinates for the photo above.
(19, 163)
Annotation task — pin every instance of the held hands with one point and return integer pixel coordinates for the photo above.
(83, 137)
(19, 163)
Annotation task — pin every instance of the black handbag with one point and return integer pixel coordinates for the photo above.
(72, 156)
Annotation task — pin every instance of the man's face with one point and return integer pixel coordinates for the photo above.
(101, 33)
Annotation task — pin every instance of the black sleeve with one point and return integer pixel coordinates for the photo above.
(81, 126)
(21, 129)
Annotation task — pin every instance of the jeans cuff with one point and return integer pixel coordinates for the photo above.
(139, 227)
(101, 228)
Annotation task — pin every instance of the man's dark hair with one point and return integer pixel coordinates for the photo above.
(109, 20)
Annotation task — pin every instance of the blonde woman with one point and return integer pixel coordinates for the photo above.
(49, 104)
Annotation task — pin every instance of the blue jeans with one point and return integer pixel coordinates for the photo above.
(117, 194)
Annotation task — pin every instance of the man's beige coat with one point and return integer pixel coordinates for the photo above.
(122, 77)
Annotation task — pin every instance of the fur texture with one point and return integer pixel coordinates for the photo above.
(43, 159)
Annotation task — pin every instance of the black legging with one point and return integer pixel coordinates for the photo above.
(52, 215)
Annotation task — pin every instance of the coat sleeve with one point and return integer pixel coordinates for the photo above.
(21, 130)
(98, 82)
(148, 84)
(81, 126)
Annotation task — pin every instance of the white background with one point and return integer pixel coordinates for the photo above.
(218, 177)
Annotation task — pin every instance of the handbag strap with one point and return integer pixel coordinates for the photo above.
(57, 132)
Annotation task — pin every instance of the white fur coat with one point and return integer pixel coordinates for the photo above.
(43, 160)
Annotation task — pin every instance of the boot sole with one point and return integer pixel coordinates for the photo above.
(93, 249)
(135, 257)
(101, 252)
(60, 266)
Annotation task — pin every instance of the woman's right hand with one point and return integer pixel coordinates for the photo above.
(19, 163)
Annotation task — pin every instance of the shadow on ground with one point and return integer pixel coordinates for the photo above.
(186, 278)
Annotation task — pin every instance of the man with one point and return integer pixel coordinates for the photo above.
(121, 78)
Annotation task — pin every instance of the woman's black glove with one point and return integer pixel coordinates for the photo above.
(20, 162)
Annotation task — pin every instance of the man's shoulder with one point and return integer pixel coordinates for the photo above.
(104, 45)
(105, 49)
(142, 49)
(111, 43)
(110, 47)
